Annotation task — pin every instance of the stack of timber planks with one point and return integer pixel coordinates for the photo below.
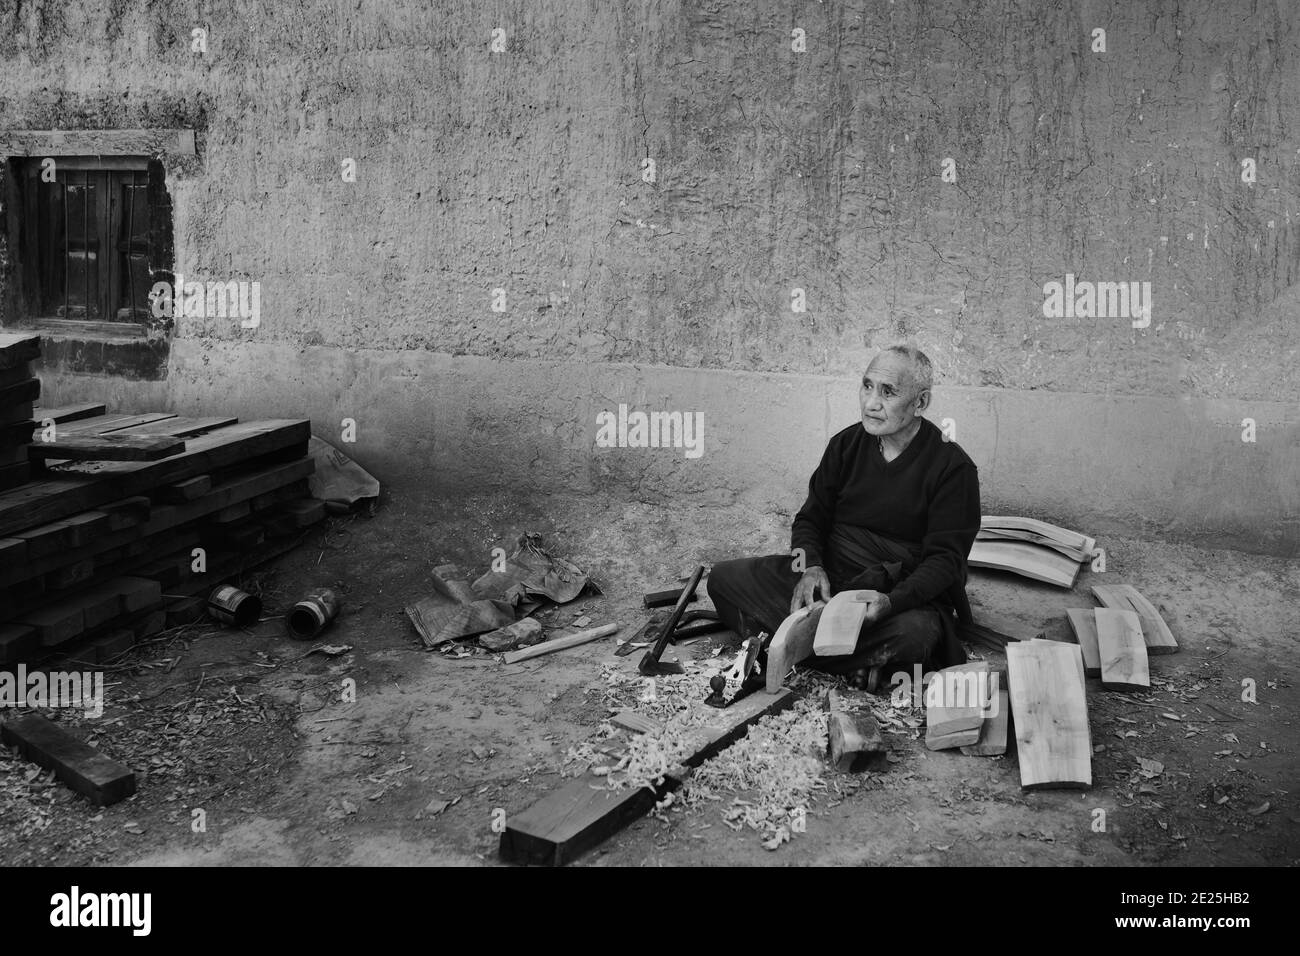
(1031, 548)
(96, 555)
(19, 389)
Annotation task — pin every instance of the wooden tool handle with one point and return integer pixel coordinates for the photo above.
(560, 643)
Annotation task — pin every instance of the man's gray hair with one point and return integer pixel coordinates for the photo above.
(922, 370)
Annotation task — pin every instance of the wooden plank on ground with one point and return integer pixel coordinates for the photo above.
(62, 414)
(1041, 529)
(111, 447)
(1050, 713)
(1124, 597)
(76, 763)
(1084, 625)
(1159, 638)
(637, 723)
(1123, 651)
(581, 813)
(70, 490)
(1028, 560)
(997, 718)
(1007, 534)
(792, 642)
(559, 644)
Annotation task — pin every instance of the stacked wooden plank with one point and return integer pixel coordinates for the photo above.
(1031, 548)
(19, 389)
(93, 553)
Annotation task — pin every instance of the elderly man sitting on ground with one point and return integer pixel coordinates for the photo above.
(892, 507)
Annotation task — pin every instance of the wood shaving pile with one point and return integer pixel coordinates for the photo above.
(778, 765)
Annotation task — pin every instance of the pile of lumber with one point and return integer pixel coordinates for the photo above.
(1031, 548)
(127, 518)
(19, 389)
(1117, 638)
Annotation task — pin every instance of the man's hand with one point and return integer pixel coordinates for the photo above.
(805, 593)
(878, 609)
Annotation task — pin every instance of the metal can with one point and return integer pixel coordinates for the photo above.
(312, 614)
(229, 605)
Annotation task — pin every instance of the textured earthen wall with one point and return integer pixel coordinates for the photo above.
(775, 170)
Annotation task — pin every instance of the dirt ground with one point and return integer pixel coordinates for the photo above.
(244, 727)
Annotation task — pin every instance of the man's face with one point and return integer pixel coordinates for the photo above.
(889, 399)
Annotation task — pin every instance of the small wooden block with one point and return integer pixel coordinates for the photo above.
(1084, 625)
(80, 766)
(99, 605)
(1123, 651)
(853, 739)
(956, 699)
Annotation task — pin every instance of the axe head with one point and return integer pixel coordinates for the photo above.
(651, 667)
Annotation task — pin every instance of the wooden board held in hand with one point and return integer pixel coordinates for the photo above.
(581, 813)
(80, 766)
(841, 623)
(1050, 713)
(111, 447)
(1123, 652)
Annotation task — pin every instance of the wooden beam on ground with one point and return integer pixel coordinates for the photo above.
(1001, 534)
(1084, 625)
(1123, 651)
(1028, 560)
(559, 644)
(77, 764)
(853, 740)
(1050, 713)
(792, 642)
(667, 598)
(111, 447)
(582, 813)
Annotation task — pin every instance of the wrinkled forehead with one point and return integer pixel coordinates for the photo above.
(891, 369)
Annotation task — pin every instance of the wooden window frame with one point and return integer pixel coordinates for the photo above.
(112, 268)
